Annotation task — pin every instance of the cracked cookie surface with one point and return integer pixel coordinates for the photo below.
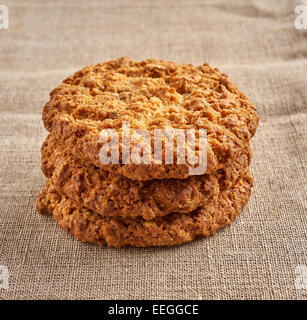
(151, 94)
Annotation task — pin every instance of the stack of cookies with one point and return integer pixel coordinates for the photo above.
(141, 203)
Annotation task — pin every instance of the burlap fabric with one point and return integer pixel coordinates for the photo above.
(256, 43)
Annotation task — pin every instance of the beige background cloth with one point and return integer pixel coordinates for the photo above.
(256, 43)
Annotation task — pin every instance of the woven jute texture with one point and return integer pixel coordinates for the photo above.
(256, 43)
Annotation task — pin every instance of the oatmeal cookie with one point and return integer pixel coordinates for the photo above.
(151, 94)
(111, 194)
(173, 229)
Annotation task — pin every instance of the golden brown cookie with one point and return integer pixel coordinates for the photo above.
(173, 229)
(151, 94)
(111, 194)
